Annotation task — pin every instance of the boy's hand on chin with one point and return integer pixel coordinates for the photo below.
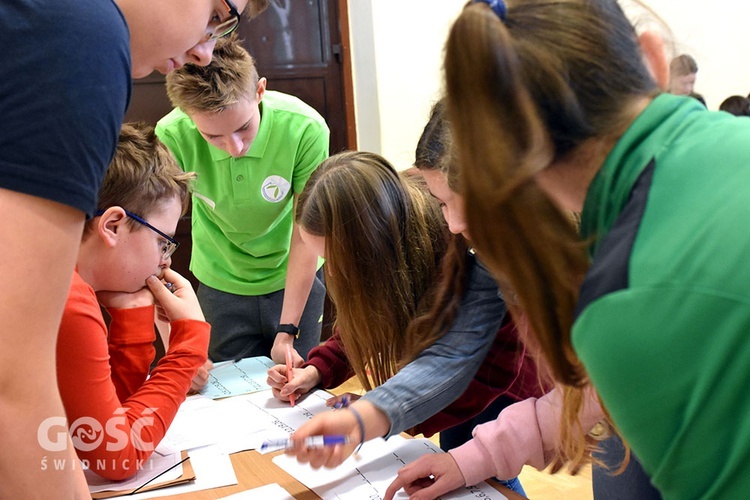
(176, 302)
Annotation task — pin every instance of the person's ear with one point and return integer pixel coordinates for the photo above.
(654, 51)
(261, 89)
(110, 224)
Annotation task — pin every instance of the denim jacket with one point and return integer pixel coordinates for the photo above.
(441, 373)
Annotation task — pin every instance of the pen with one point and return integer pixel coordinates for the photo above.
(289, 368)
(343, 403)
(310, 442)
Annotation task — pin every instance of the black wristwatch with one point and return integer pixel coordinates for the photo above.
(290, 329)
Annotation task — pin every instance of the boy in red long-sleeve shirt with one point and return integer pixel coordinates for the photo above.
(116, 411)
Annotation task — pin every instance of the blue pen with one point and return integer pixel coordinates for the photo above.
(310, 442)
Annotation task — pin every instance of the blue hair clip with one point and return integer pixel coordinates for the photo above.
(497, 6)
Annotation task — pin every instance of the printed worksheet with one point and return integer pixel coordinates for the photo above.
(239, 423)
(272, 419)
(193, 426)
(370, 475)
(233, 378)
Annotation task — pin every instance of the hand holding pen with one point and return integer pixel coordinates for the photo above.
(303, 381)
(351, 422)
(310, 442)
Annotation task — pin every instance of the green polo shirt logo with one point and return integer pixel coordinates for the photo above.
(274, 188)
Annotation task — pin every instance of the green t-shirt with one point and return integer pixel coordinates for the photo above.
(243, 207)
(664, 323)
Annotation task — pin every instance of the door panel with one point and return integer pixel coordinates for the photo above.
(290, 37)
(299, 50)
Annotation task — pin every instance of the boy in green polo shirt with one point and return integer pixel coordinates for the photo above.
(253, 150)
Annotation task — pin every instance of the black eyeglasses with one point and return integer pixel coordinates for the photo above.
(225, 28)
(168, 247)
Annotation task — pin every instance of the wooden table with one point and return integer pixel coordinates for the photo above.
(254, 470)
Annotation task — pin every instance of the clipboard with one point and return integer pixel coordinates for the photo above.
(187, 476)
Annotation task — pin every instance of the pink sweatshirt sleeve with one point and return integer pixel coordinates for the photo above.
(525, 433)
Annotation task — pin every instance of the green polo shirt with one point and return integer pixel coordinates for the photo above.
(243, 207)
(664, 320)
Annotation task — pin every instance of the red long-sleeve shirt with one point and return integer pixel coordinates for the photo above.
(117, 414)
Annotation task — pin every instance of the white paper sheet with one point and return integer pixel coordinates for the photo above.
(235, 378)
(239, 423)
(193, 426)
(212, 467)
(249, 420)
(370, 476)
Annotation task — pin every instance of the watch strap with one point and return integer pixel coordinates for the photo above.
(289, 328)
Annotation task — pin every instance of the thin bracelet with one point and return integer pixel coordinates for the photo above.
(361, 427)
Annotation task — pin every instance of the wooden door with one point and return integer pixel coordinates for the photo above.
(298, 46)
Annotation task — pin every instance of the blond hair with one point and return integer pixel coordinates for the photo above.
(231, 77)
(143, 174)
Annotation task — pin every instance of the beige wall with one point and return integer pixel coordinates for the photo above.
(397, 50)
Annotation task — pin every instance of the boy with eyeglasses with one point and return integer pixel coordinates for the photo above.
(67, 69)
(123, 265)
(261, 287)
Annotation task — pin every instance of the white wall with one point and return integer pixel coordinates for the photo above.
(397, 82)
(364, 76)
(716, 35)
(397, 48)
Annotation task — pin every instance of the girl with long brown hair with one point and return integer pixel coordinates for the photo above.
(556, 105)
(403, 289)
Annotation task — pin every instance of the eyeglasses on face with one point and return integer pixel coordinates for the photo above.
(168, 245)
(224, 28)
